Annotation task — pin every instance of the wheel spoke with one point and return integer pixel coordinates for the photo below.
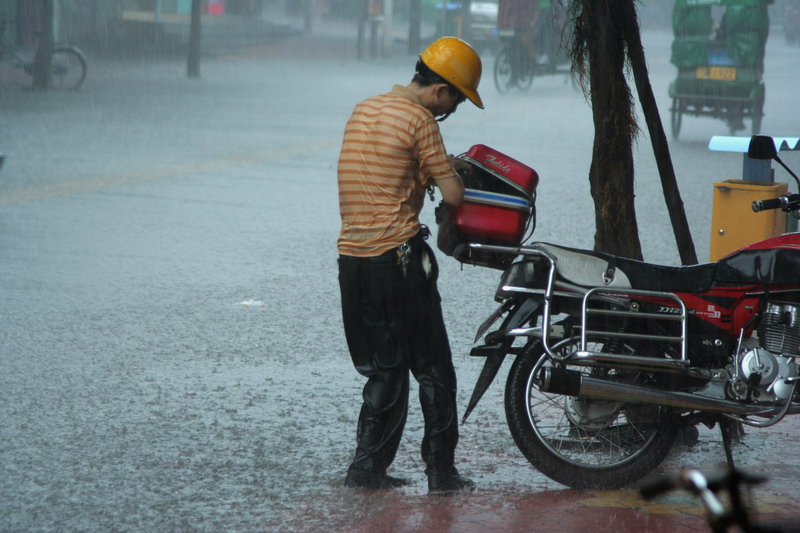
(584, 442)
(68, 68)
(618, 438)
(502, 71)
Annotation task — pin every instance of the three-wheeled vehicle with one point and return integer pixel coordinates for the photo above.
(719, 52)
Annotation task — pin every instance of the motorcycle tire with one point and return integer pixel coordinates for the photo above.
(580, 443)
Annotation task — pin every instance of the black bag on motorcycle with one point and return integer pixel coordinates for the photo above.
(498, 209)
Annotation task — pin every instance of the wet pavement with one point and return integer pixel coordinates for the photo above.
(170, 340)
(511, 497)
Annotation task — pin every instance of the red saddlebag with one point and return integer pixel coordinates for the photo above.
(498, 207)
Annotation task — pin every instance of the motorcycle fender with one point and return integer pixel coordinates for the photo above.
(516, 317)
(500, 311)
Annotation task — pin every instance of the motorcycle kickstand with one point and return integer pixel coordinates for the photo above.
(730, 429)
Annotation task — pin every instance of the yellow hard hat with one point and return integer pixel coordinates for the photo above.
(456, 62)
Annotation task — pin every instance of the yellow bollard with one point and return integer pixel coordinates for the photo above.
(733, 222)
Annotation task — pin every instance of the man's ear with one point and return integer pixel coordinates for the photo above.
(441, 89)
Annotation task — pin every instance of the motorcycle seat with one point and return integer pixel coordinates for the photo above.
(597, 269)
(648, 276)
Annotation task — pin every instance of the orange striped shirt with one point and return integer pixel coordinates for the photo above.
(392, 148)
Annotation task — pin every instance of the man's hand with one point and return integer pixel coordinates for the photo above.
(459, 165)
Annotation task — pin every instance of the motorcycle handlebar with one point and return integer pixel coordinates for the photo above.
(787, 202)
(763, 205)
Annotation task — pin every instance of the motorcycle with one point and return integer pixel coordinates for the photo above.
(615, 357)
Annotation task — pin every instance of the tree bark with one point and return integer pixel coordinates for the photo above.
(611, 175)
(669, 185)
(42, 63)
(193, 61)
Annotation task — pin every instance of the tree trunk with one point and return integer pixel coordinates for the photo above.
(42, 63)
(611, 175)
(193, 61)
(672, 195)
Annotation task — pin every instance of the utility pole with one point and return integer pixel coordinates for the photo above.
(388, 36)
(193, 61)
(414, 26)
(42, 63)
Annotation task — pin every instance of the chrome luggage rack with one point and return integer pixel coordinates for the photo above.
(624, 301)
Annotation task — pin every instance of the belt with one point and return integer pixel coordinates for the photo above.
(414, 243)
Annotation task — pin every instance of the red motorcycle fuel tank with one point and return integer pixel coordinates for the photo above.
(787, 241)
(773, 264)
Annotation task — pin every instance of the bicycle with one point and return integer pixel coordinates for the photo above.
(513, 66)
(516, 65)
(708, 487)
(68, 64)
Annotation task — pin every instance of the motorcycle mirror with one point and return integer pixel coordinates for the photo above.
(762, 147)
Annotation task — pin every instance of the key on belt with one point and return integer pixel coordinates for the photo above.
(404, 256)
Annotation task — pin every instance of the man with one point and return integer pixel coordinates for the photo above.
(392, 151)
(522, 17)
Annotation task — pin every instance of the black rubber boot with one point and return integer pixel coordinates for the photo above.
(448, 483)
(364, 479)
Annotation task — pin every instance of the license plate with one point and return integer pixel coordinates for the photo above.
(716, 73)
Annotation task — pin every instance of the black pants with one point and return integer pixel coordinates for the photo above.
(393, 324)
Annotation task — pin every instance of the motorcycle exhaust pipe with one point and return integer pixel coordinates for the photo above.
(573, 383)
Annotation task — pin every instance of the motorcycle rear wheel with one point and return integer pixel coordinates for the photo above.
(584, 444)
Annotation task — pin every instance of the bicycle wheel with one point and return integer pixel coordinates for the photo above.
(525, 79)
(503, 71)
(68, 67)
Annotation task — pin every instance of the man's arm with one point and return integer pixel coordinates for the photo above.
(452, 190)
(452, 187)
